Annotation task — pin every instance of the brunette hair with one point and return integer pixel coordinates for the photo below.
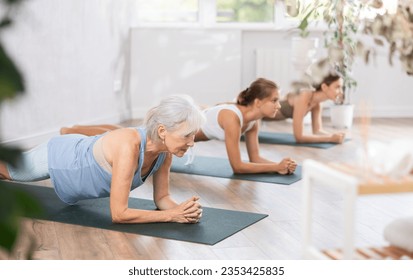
(328, 80)
(261, 88)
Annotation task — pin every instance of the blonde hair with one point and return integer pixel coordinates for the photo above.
(172, 111)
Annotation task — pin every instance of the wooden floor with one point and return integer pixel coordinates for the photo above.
(276, 237)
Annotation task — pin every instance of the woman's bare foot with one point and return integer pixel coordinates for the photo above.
(4, 173)
(65, 130)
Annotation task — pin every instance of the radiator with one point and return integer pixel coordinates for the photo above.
(275, 65)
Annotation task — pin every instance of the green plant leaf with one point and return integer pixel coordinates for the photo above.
(8, 235)
(9, 155)
(5, 22)
(28, 206)
(8, 218)
(14, 204)
(304, 23)
(13, 2)
(11, 81)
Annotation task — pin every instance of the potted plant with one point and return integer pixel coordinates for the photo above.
(342, 19)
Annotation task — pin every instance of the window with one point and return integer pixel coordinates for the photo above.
(245, 11)
(264, 13)
(168, 11)
(305, 7)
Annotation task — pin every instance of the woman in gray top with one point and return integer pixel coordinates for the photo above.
(297, 106)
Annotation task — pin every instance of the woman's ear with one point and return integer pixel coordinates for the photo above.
(257, 103)
(324, 87)
(161, 132)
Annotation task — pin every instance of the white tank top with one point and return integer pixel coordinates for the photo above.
(212, 129)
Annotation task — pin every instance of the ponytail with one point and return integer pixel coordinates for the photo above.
(260, 88)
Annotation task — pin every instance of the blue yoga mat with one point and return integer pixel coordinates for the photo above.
(288, 139)
(215, 225)
(220, 167)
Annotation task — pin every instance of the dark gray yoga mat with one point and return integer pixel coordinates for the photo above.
(220, 167)
(279, 138)
(215, 225)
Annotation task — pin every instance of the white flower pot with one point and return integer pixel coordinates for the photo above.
(342, 115)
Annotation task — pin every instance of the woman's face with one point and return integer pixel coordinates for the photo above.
(179, 141)
(270, 105)
(335, 90)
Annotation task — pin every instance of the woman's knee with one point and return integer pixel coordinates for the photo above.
(32, 166)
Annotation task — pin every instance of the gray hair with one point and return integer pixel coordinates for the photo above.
(172, 111)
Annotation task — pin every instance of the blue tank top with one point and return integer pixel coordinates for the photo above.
(76, 175)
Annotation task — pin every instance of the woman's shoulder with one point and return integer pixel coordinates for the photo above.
(305, 94)
(231, 115)
(123, 136)
(225, 105)
(125, 131)
(231, 109)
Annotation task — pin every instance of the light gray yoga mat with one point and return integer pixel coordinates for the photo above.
(279, 138)
(220, 167)
(215, 225)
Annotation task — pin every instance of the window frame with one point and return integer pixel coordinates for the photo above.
(207, 19)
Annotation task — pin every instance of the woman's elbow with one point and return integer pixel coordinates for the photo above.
(117, 220)
(237, 168)
(118, 217)
(299, 138)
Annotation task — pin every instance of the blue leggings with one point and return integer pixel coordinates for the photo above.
(33, 165)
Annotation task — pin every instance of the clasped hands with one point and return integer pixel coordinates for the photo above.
(189, 211)
(287, 166)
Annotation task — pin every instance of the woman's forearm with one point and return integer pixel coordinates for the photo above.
(188, 211)
(254, 167)
(165, 203)
(130, 216)
(313, 138)
(260, 159)
(321, 132)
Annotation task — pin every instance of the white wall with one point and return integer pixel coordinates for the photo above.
(272, 40)
(386, 89)
(71, 53)
(205, 64)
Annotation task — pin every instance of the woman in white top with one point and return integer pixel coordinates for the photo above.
(227, 122)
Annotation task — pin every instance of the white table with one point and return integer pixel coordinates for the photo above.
(345, 180)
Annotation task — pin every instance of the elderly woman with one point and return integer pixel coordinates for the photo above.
(114, 163)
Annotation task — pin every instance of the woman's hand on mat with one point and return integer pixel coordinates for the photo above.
(338, 137)
(189, 211)
(287, 166)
